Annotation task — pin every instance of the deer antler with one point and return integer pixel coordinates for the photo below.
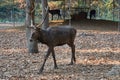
(44, 18)
(33, 26)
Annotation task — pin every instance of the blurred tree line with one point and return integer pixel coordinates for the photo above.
(106, 9)
(12, 10)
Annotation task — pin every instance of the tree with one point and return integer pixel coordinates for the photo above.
(32, 46)
(30, 11)
(44, 6)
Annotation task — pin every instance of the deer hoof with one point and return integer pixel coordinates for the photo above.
(55, 67)
(40, 71)
(71, 63)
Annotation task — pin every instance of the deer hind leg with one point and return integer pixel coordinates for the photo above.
(90, 16)
(59, 16)
(94, 15)
(73, 59)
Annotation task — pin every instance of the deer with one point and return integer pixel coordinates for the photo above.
(52, 37)
(55, 12)
(92, 13)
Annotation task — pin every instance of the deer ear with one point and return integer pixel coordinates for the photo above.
(37, 28)
(32, 27)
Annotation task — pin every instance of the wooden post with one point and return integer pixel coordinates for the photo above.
(119, 16)
(119, 19)
(113, 9)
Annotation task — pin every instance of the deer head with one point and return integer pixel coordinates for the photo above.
(36, 29)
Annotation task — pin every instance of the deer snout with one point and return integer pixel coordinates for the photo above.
(30, 40)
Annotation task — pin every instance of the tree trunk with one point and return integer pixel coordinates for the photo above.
(44, 6)
(32, 46)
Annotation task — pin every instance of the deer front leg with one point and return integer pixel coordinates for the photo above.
(46, 57)
(52, 17)
(53, 55)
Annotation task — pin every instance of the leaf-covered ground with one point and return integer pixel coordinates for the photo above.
(97, 52)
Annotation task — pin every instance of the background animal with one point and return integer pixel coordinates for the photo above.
(92, 13)
(55, 12)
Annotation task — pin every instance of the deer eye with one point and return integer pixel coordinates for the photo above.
(33, 34)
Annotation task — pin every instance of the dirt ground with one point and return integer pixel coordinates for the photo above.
(97, 52)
